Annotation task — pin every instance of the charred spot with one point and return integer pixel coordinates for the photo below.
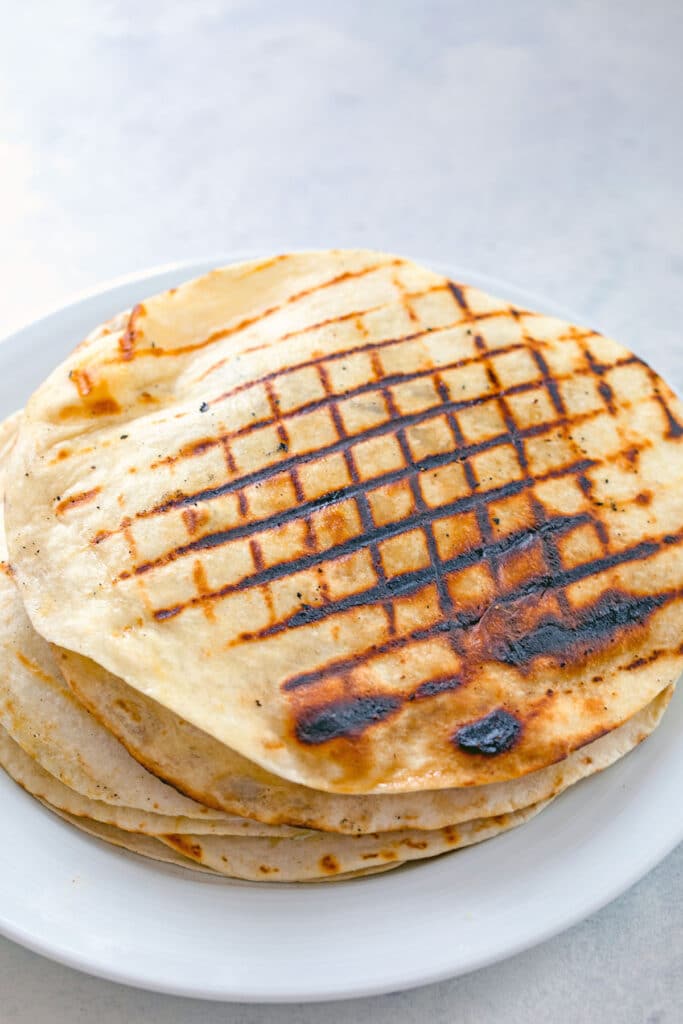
(167, 613)
(581, 633)
(644, 498)
(493, 734)
(344, 718)
(643, 661)
(329, 864)
(433, 687)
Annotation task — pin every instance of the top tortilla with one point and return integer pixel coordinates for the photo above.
(371, 529)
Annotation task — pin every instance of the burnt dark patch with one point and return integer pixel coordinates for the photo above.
(434, 687)
(644, 498)
(494, 734)
(581, 635)
(344, 718)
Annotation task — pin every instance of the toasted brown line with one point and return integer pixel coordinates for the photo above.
(462, 622)
(129, 352)
(421, 520)
(331, 398)
(76, 499)
(457, 454)
(355, 314)
(389, 426)
(401, 585)
(368, 346)
(380, 384)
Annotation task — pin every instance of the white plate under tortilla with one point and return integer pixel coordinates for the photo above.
(109, 913)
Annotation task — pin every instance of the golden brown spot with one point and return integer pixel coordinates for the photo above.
(369, 856)
(265, 870)
(83, 382)
(34, 669)
(129, 709)
(194, 519)
(644, 498)
(415, 845)
(76, 499)
(128, 339)
(388, 855)
(187, 845)
(329, 864)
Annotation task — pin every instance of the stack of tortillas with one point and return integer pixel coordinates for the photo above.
(324, 563)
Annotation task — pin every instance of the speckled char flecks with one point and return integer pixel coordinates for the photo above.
(329, 540)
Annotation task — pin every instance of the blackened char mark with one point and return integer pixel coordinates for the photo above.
(494, 734)
(344, 718)
(582, 634)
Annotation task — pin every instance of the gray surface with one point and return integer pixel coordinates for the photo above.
(535, 142)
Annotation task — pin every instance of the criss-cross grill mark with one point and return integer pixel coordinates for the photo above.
(328, 400)
(358, 488)
(227, 332)
(353, 350)
(675, 428)
(464, 622)
(284, 465)
(396, 586)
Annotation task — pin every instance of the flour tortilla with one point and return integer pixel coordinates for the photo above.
(375, 531)
(285, 860)
(218, 777)
(48, 789)
(147, 846)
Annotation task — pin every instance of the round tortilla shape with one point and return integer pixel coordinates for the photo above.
(45, 787)
(375, 530)
(202, 767)
(287, 860)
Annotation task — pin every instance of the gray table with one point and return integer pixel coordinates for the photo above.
(536, 142)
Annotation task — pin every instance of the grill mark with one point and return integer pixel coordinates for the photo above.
(344, 718)
(200, 446)
(358, 489)
(397, 585)
(76, 499)
(491, 315)
(601, 620)
(379, 430)
(128, 339)
(82, 381)
(675, 429)
(227, 332)
(362, 502)
(638, 552)
(551, 554)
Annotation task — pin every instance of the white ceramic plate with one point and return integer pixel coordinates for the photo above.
(112, 914)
